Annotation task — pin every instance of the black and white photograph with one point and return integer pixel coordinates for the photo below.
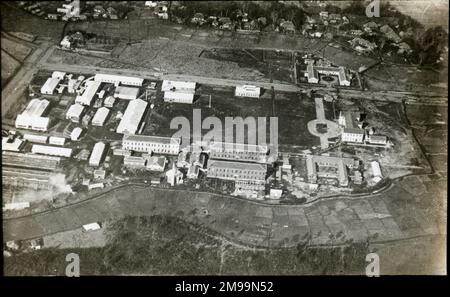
(224, 138)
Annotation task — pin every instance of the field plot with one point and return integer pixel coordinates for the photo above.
(28, 23)
(402, 78)
(430, 127)
(348, 59)
(9, 67)
(274, 65)
(15, 49)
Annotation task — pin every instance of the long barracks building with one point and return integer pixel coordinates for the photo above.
(155, 144)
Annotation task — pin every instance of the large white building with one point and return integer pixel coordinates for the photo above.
(237, 170)
(175, 86)
(132, 117)
(238, 151)
(353, 131)
(100, 116)
(119, 79)
(247, 91)
(178, 91)
(31, 117)
(155, 144)
(51, 150)
(74, 112)
(89, 93)
(126, 93)
(50, 86)
(97, 154)
(179, 97)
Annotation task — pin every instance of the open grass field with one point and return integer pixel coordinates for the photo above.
(293, 111)
(400, 78)
(9, 67)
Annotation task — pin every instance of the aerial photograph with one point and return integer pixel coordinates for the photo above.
(224, 138)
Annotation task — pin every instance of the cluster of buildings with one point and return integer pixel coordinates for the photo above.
(355, 130)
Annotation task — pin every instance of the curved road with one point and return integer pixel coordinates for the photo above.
(332, 221)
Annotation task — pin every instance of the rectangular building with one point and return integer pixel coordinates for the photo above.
(31, 117)
(35, 138)
(32, 123)
(132, 117)
(57, 140)
(355, 135)
(50, 86)
(119, 79)
(178, 86)
(74, 113)
(178, 91)
(100, 116)
(377, 139)
(126, 93)
(51, 150)
(352, 131)
(238, 152)
(89, 93)
(147, 143)
(97, 154)
(236, 170)
(134, 162)
(247, 91)
(179, 97)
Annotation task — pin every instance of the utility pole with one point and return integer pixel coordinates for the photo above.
(209, 100)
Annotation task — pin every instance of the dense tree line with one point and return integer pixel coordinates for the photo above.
(167, 245)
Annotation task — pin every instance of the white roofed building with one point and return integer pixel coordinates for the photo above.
(49, 86)
(51, 150)
(178, 91)
(57, 140)
(179, 97)
(91, 227)
(109, 101)
(119, 79)
(75, 135)
(174, 86)
(376, 169)
(97, 154)
(31, 117)
(58, 75)
(100, 116)
(132, 117)
(247, 91)
(89, 93)
(74, 112)
(126, 93)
